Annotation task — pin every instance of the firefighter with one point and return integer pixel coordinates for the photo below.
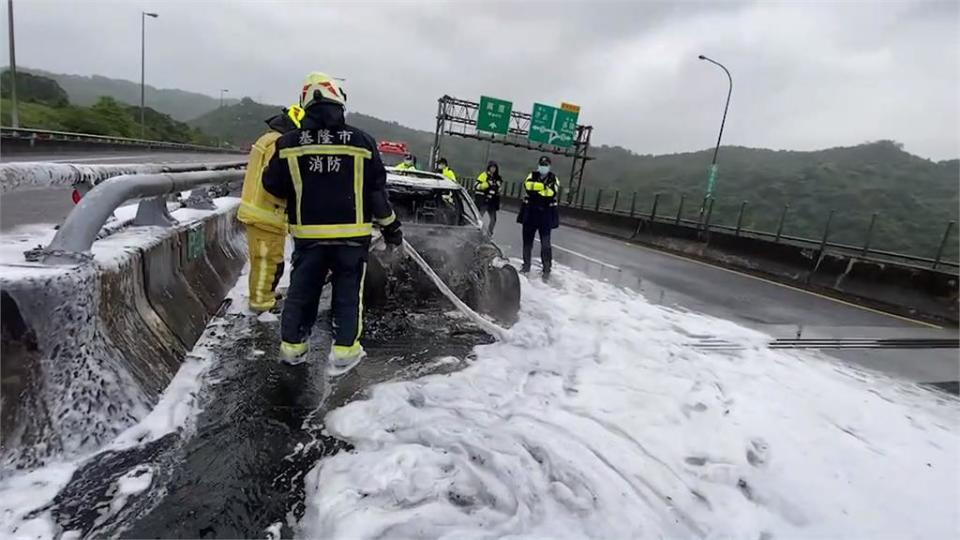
(409, 163)
(539, 214)
(334, 181)
(265, 215)
(486, 193)
(443, 169)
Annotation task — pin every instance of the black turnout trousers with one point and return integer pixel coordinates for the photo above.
(312, 261)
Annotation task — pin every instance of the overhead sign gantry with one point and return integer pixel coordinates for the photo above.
(550, 130)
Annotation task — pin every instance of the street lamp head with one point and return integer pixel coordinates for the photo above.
(702, 57)
(154, 15)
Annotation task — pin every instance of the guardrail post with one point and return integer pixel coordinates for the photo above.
(866, 241)
(200, 199)
(653, 210)
(616, 197)
(153, 212)
(943, 243)
(583, 198)
(783, 217)
(743, 205)
(596, 208)
(679, 209)
(633, 204)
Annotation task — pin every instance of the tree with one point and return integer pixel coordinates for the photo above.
(34, 89)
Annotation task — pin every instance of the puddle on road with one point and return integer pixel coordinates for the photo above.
(259, 432)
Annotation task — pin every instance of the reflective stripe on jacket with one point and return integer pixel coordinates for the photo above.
(541, 191)
(332, 176)
(258, 207)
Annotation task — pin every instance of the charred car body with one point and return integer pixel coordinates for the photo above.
(441, 221)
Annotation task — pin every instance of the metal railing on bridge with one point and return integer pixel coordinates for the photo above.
(34, 137)
(653, 211)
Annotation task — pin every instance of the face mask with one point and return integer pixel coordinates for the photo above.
(408, 161)
(543, 169)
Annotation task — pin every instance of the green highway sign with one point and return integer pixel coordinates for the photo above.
(494, 115)
(551, 125)
(195, 243)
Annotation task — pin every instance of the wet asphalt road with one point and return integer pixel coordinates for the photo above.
(240, 468)
(781, 311)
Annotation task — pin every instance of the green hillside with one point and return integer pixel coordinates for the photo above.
(43, 105)
(914, 197)
(240, 124)
(87, 90)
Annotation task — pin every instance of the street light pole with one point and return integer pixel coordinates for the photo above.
(713, 166)
(14, 118)
(219, 138)
(143, 61)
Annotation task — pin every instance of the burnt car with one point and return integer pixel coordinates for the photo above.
(441, 221)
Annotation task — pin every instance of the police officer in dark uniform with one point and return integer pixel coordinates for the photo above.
(539, 213)
(334, 182)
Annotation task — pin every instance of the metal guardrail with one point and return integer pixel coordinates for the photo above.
(35, 136)
(25, 175)
(703, 224)
(78, 232)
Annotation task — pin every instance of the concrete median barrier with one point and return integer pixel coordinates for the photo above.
(88, 348)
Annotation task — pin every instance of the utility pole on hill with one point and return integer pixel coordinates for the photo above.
(712, 179)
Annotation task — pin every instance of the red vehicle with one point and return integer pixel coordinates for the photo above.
(392, 152)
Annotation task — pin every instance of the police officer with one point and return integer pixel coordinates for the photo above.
(486, 193)
(409, 163)
(265, 215)
(334, 182)
(443, 169)
(539, 213)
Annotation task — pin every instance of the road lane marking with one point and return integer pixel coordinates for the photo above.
(582, 256)
(785, 286)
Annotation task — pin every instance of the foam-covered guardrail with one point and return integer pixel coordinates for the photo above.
(41, 175)
(88, 348)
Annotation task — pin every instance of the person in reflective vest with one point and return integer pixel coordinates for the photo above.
(409, 163)
(334, 181)
(443, 169)
(539, 213)
(265, 215)
(486, 193)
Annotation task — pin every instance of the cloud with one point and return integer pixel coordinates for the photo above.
(806, 75)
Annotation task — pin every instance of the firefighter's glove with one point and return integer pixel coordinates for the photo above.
(392, 234)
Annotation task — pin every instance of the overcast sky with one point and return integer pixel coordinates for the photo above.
(806, 75)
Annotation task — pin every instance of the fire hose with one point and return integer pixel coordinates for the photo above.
(495, 331)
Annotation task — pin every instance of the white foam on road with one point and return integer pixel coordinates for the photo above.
(597, 419)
